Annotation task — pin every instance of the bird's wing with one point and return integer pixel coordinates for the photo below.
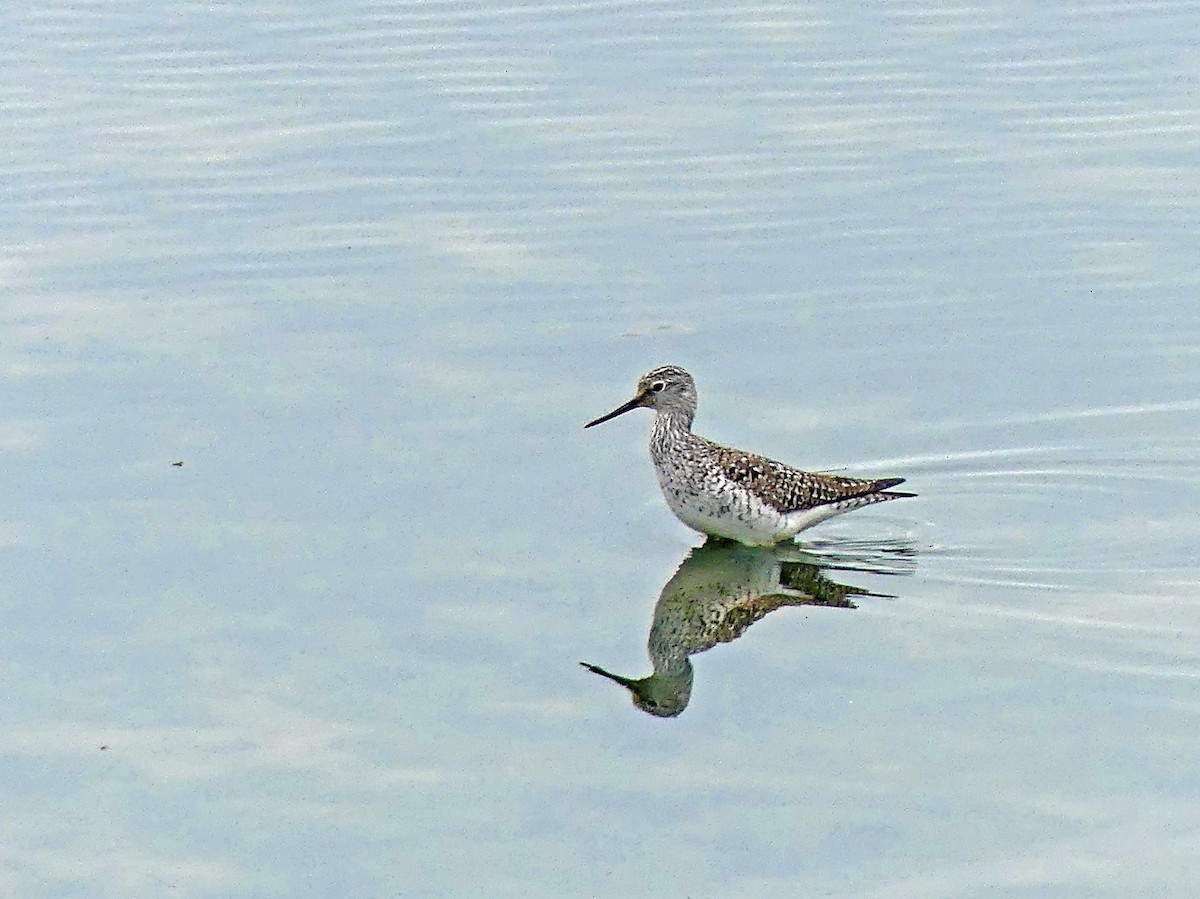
(788, 489)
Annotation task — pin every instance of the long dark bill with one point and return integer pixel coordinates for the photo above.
(596, 669)
(620, 410)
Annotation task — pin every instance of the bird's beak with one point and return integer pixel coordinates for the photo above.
(620, 410)
(627, 682)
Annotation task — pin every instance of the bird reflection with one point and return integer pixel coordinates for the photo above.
(723, 587)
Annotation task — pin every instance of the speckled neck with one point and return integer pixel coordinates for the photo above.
(671, 426)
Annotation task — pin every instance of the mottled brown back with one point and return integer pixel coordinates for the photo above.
(787, 489)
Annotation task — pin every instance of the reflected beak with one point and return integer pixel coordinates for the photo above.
(627, 682)
(620, 410)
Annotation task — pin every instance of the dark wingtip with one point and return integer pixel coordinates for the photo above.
(896, 494)
(885, 483)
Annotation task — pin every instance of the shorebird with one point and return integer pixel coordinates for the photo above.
(729, 493)
(717, 593)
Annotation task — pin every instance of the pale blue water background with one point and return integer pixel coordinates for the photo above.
(366, 268)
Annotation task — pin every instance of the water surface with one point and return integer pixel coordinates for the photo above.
(365, 269)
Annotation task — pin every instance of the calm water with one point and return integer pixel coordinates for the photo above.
(366, 268)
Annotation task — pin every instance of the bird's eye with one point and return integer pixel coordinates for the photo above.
(657, 386)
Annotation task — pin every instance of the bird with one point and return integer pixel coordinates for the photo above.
(718, 592)
(730, 494)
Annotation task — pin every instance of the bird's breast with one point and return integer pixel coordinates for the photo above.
(708, 502)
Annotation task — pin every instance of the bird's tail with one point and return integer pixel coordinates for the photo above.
(884, 484)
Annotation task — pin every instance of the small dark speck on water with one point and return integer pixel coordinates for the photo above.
(177, 464)
(103, 747)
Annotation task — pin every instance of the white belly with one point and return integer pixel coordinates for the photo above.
(724, 512)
